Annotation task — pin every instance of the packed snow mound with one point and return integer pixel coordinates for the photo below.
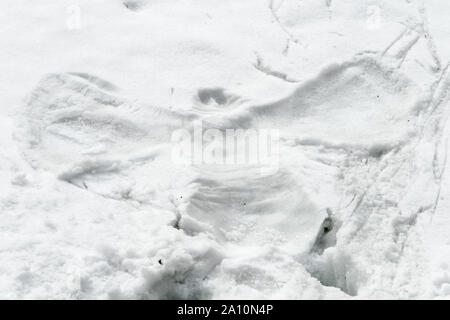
(95, 206)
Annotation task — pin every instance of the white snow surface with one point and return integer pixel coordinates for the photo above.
(93, 207)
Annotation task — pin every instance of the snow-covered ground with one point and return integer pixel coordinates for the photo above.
(356, 203)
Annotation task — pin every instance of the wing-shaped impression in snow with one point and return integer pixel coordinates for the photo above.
(344, 137)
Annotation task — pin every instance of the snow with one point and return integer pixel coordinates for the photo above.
(93, 205)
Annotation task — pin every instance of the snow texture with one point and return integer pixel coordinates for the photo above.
(93, 206)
